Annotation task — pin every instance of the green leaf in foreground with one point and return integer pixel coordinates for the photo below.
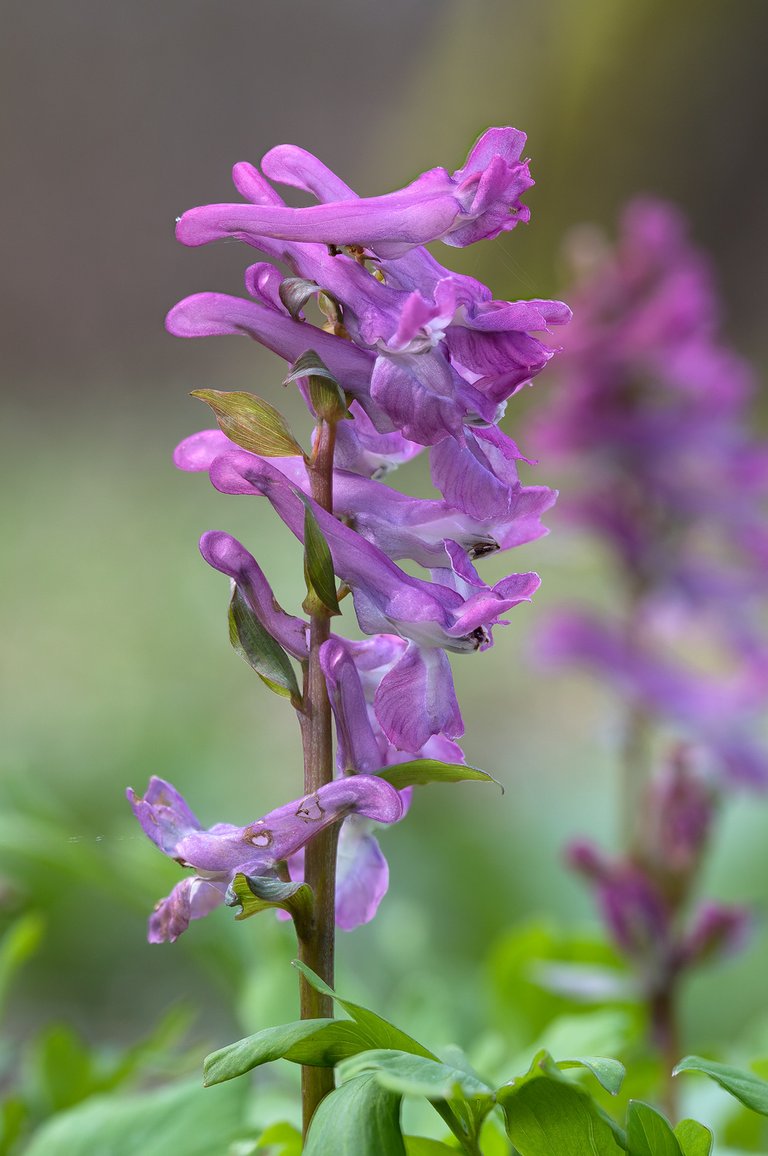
(545, 1113)
(418, 772)
(380, 1032)
(320, 1043)
(410, 1075)
(318, 569)
(20, 941)
(255, 893)
(182, 1118)
(259, 649)
(649, 1133)
(252, 423)
(358, 1119)
(694, 1139)
(608, 1073)
(423, 1146)
(281, 1139)
(743, 1086)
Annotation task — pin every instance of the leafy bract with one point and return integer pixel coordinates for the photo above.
(410, 1075)
(251, 422)
(318, 569)
(260, 650)
(418, 772)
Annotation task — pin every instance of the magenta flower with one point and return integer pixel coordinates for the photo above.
(219, 853)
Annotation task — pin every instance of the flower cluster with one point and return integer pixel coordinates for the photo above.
(422, 359)
(675, 490)
(656, 405)
(643, 895)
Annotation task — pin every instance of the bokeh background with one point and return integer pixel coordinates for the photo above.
(116, 662)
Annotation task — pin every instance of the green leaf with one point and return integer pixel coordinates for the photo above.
(283, 1138)
(418, 772)
(608, 1073)
(251, 422)
(423, 1146)
(182, 1118)
(255, 893)
(327, 396)
(320, 1043)
(358, 1119)
(380, 1032)
(649, 1133)
(63, 1067)
(259, 649)
(546, 1116)
(20, 941)
(318, 569)
(410, 1075)
(694, 1139)
(743, 1086)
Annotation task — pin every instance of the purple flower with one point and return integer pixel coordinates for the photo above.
(401, 526)
(219, 853)
(478, 201)
(386, 598)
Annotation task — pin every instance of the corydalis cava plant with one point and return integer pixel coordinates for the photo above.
(407, 357)
(652, 397)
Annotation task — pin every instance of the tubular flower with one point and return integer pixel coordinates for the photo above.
(219, 853)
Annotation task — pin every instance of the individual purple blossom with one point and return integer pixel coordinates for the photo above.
(222, 851)
(478, 201)
(399, 525)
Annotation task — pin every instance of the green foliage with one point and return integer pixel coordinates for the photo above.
(20, 941)
(419, 772)
(281, 1139)
(360, 1118)
(251, 422)
(260, 650)
(181, 1118)
(694, 1139)
(743, 1086)
(649, 1133)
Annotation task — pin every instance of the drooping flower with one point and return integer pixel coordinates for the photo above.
(217, 854)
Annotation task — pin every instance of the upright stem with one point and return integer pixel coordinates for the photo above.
(665, 1032)
(317, 941)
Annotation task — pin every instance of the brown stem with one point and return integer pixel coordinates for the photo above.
(665, 1031)
(317, 941)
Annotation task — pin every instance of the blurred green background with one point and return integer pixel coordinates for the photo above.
(116, 663)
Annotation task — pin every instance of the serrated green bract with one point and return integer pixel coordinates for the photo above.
(358, 1119)
(418, 772)
(252, 423)
(743, 1086)
(694, 1139)
(318, 569)
(259, 649)
(325, 393)
(649, 1133)
(411, 1075)
(180, 1118)
(254, 893)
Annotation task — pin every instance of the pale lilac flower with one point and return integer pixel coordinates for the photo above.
(224, 850)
